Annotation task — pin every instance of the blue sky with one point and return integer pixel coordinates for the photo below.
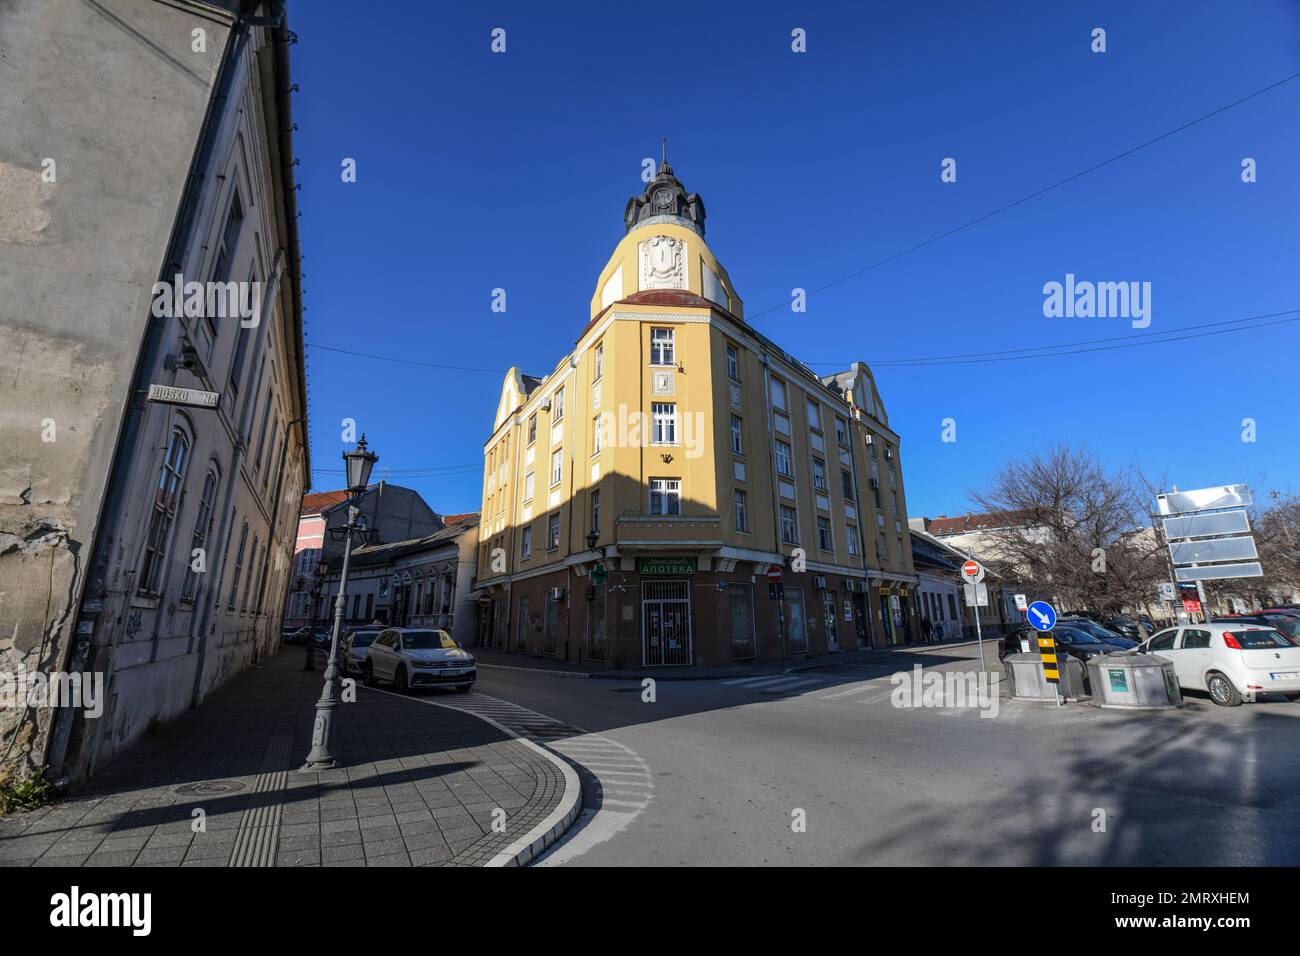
(478, 171)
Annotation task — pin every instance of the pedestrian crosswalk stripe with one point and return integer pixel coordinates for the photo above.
(788, 684)
(753, 681)
(855, 689)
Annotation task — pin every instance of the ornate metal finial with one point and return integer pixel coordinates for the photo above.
(663, 147)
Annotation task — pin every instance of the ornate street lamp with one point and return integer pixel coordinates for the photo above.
(359, 461)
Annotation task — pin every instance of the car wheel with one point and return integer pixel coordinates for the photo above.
(368, 672)
(1222, 692)
(463, 688)
(400, 683)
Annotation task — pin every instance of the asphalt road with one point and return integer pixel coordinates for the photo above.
(720, 773)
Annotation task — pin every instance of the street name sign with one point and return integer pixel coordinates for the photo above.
(193, 397)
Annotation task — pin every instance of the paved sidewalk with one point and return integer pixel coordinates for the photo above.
(417, 787)
(489, 658)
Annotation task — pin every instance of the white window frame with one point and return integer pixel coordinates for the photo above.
(669, 493)
(787, 457)
(557, 466)
(663, 346)
(742, 512)
(663, 423)
(788, 517)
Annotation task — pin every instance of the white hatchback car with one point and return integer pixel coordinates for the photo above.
(1231, 661)
(418, 657)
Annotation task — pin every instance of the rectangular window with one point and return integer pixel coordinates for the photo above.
(789, 525)
(532, 429)
(553, 532)
(665, 496)
(526, 543)
(557, 466)
(778, 395)
(261, 434)
(854, 542)
(737, 436)
(226, 248)
(733, 363)
(819, 474)
(841, 431)
(814, 415)
(824, 540)
(846, 484)
(882, 549)
(596, 438)
(664, 419)
(784, 459)
(595, 512)
(662, 350)
(742, 513)
(557, 406)
(528, 487)
(598, 363)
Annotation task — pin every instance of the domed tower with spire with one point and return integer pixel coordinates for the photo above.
(663, 248)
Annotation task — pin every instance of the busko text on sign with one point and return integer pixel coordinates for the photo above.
(193, 397)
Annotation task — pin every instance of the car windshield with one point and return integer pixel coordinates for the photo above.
(1258, 640)
(1075, 636)
(427, 641)
(363, 638)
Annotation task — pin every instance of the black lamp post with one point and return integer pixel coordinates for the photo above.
(358, 462)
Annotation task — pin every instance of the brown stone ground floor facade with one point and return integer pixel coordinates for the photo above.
(666, 611)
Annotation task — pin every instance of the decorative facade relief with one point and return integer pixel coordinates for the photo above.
(663, 263)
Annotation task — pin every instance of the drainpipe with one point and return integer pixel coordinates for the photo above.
(776, 496)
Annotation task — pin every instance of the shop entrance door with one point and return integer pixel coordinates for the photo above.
(666, 623)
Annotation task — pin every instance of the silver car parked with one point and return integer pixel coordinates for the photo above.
(418, 657)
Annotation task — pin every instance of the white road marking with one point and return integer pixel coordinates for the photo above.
(789, 683)
(855, 689)
(753, 681)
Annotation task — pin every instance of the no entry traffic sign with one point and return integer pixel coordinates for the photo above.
(973, 572)
(774, 574)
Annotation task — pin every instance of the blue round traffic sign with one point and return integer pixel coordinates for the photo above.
(1042, 615)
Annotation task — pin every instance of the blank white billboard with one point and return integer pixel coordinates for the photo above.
(1203, 499)
(1213, 572)
(1213, 549)
(1191, 526)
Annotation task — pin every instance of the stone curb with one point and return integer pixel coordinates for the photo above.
(535, 842)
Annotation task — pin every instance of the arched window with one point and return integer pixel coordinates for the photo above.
(252, 573)
(165, 499)
(199, 537)
(239, 566)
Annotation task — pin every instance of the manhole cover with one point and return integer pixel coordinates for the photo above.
(211, 788)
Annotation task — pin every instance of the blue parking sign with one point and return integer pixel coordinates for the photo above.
(1042, 615)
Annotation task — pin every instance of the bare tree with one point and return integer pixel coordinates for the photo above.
(1074, 530)
(1277, 537)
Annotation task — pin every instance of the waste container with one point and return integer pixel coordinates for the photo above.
(1025, 671)
(1134, 681)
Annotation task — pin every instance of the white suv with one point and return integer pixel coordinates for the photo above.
(1231, 661)
(418, 657)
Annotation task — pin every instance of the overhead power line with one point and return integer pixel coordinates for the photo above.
(1036, 193)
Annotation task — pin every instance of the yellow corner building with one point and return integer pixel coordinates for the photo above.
(639, 500)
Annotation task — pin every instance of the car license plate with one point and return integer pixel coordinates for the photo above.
(454, 671)
(1285, 675)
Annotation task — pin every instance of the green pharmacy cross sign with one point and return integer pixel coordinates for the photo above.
(599, 574)
(658, 566)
